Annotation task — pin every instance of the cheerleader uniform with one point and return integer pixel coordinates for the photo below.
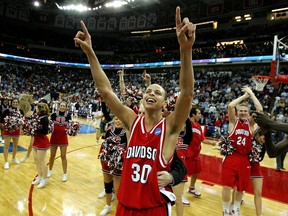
(41, 141)
(59, 136)
(10, 112)
(255, 171)
(118, 135)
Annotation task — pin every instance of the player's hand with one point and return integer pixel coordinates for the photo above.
(185, 31)
(83, 39)
(121, 72)
(164, 178)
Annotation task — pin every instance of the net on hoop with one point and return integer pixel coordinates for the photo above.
(260, 82)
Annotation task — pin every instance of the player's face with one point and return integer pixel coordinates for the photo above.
(243, 112)
(118, 123)
(62, 107)
(198, 115)
(153, 98)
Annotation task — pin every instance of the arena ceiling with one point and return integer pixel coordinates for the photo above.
(196, 9)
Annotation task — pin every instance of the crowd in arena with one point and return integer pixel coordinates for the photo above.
(213, 88)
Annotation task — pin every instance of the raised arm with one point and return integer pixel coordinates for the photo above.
(122, 83)
(147, 79)
(231, 108)
(126, 115)
(255, 100)
(185, 31)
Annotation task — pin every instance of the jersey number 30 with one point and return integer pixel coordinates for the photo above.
(140, 173)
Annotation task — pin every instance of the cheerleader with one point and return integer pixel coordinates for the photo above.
(59, 138)
(258, 153)
(114, 146)
(13, 119)
(41, 144)
(4, 105)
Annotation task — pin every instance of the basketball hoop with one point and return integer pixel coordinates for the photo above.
(260, 82)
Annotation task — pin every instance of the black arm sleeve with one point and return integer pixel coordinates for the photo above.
(105, 112)
(178, 170)
(188, 132)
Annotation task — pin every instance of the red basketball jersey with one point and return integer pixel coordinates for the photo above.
(139, 185)
(195, 145)
(241, 137)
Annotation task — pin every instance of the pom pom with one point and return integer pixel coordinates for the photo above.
(226, 147)
(13, 121)
(30, 125)
(112, 151)
(254, 155)
(73, 128)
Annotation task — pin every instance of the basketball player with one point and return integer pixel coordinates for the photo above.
(236, 166)
(193, 162)
(267, 125)
(153, 138)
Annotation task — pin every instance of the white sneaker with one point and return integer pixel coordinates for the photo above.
(65, 177)
(49, 174)
(42, 183)
(102, 194)
(36, 181)
(185, 201)
(23, 159)
(16, 161)
(194, 192)
(6, 165)
(226, 213)
(106, 210)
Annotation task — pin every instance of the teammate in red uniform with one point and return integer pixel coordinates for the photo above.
(59, 138)
(236, 166)
(153, 138)
(193, 162)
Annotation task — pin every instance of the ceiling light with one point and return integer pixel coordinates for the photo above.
(116, 3)
(279, 9)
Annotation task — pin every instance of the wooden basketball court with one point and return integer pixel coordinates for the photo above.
(79, 195)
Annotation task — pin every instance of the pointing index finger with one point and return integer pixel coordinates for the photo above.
(178, 16)
(83, 26)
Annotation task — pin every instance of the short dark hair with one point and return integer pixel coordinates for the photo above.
(193, 111)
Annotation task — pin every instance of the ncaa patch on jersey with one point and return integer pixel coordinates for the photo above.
(157, 131)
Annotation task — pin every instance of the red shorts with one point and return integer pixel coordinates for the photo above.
(193, 166)
(255, 171)
(163, 210)
(236, 171)
(106, 169)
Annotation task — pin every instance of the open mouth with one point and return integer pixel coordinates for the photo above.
(150, 100)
